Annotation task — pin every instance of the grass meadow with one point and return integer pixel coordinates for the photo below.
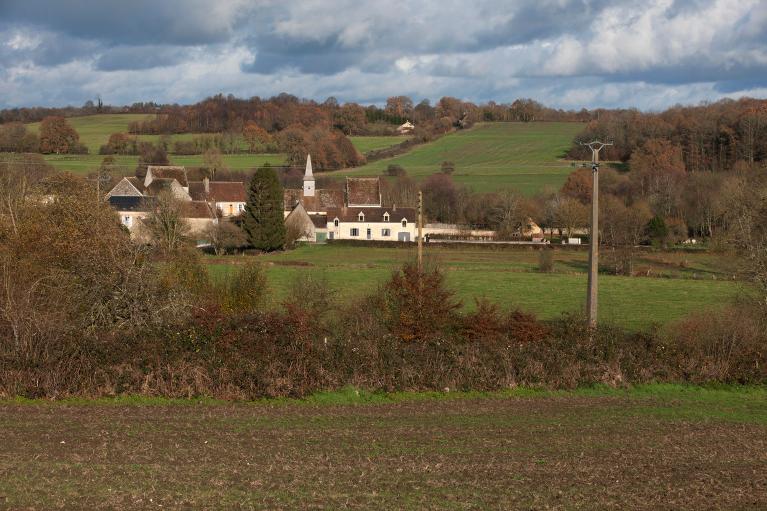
(682, 282)
(492, 156)
(95, 130)
(649, 447)
(367, 144)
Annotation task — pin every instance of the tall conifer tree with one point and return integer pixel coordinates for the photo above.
(264, 222)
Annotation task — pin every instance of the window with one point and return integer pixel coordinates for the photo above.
(240, 207)
(361, 217)
(335, 222)
(386, 217)
(404, 222)
(126, 220)
(354, 232)
(370, 233)
(385, 232)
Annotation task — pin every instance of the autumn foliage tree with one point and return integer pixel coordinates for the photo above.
(58, 136)
(657, 171)
(330, 149)
(255, 136)
(418, 304)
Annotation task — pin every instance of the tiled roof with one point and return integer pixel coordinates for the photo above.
(363, 191)
(158, 185)
(219, 191)
(323, 200)
(138, 183)
(169, 172)
(319, 221)
(351, 214)
(130, 203)
(197, 209)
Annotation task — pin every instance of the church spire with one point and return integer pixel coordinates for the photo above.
(308, 178)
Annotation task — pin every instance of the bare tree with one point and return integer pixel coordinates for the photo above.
(165, 223)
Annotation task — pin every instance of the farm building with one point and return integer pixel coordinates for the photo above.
(203, 202)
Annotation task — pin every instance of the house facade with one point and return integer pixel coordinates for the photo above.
(134, 197)
(355, 212)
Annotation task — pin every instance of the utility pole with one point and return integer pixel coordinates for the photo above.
(420, 231)
(593, 292)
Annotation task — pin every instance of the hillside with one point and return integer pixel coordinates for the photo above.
(524, 156)
(94, 130)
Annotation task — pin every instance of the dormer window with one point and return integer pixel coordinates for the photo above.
(361, 217)
(386, 217)
(335, 222)
(404, 222)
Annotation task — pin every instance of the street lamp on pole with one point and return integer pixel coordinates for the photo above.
(592, 296)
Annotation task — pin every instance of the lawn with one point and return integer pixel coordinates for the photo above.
(510, 277)
(367, 144)
(651, 447)
(493, 156)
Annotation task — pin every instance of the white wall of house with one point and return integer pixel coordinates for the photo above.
(231, 208)
(374, 231)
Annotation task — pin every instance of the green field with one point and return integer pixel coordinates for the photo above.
(126, 165)
(650, 447)
(367, 144)
(493, 156)
(94, 132)
(686, 283)
(489, 157)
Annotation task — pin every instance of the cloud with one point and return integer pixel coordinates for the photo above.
(566, 53)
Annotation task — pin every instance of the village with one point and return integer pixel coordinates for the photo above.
(355, 212)
(383, 255)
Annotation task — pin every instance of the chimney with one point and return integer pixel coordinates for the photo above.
(394, 207)
(206, 185)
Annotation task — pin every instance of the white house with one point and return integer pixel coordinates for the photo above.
(404, 129)
(354, 213)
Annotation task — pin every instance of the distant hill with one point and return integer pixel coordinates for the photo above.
(492, 156)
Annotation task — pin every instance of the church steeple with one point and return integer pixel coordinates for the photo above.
(308, 178)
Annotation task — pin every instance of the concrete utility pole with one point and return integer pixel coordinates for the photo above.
(420, 231)
(592, 297)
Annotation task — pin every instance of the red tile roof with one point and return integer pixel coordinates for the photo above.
(323, 200)
(197, 209)
(169, 172)
(219, 191)
(363, 191)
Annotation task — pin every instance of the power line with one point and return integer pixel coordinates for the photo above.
(593, 291)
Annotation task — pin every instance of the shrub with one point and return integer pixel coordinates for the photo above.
(418, 304)
(546, 260)
(729, 347)
(243, 290)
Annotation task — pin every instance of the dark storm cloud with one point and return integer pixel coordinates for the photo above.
(177, 22)
(567, 52)
(139, 57)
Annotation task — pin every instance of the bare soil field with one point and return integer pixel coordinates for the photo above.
(663, 447)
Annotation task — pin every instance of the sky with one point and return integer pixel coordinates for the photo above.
(571, 54)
